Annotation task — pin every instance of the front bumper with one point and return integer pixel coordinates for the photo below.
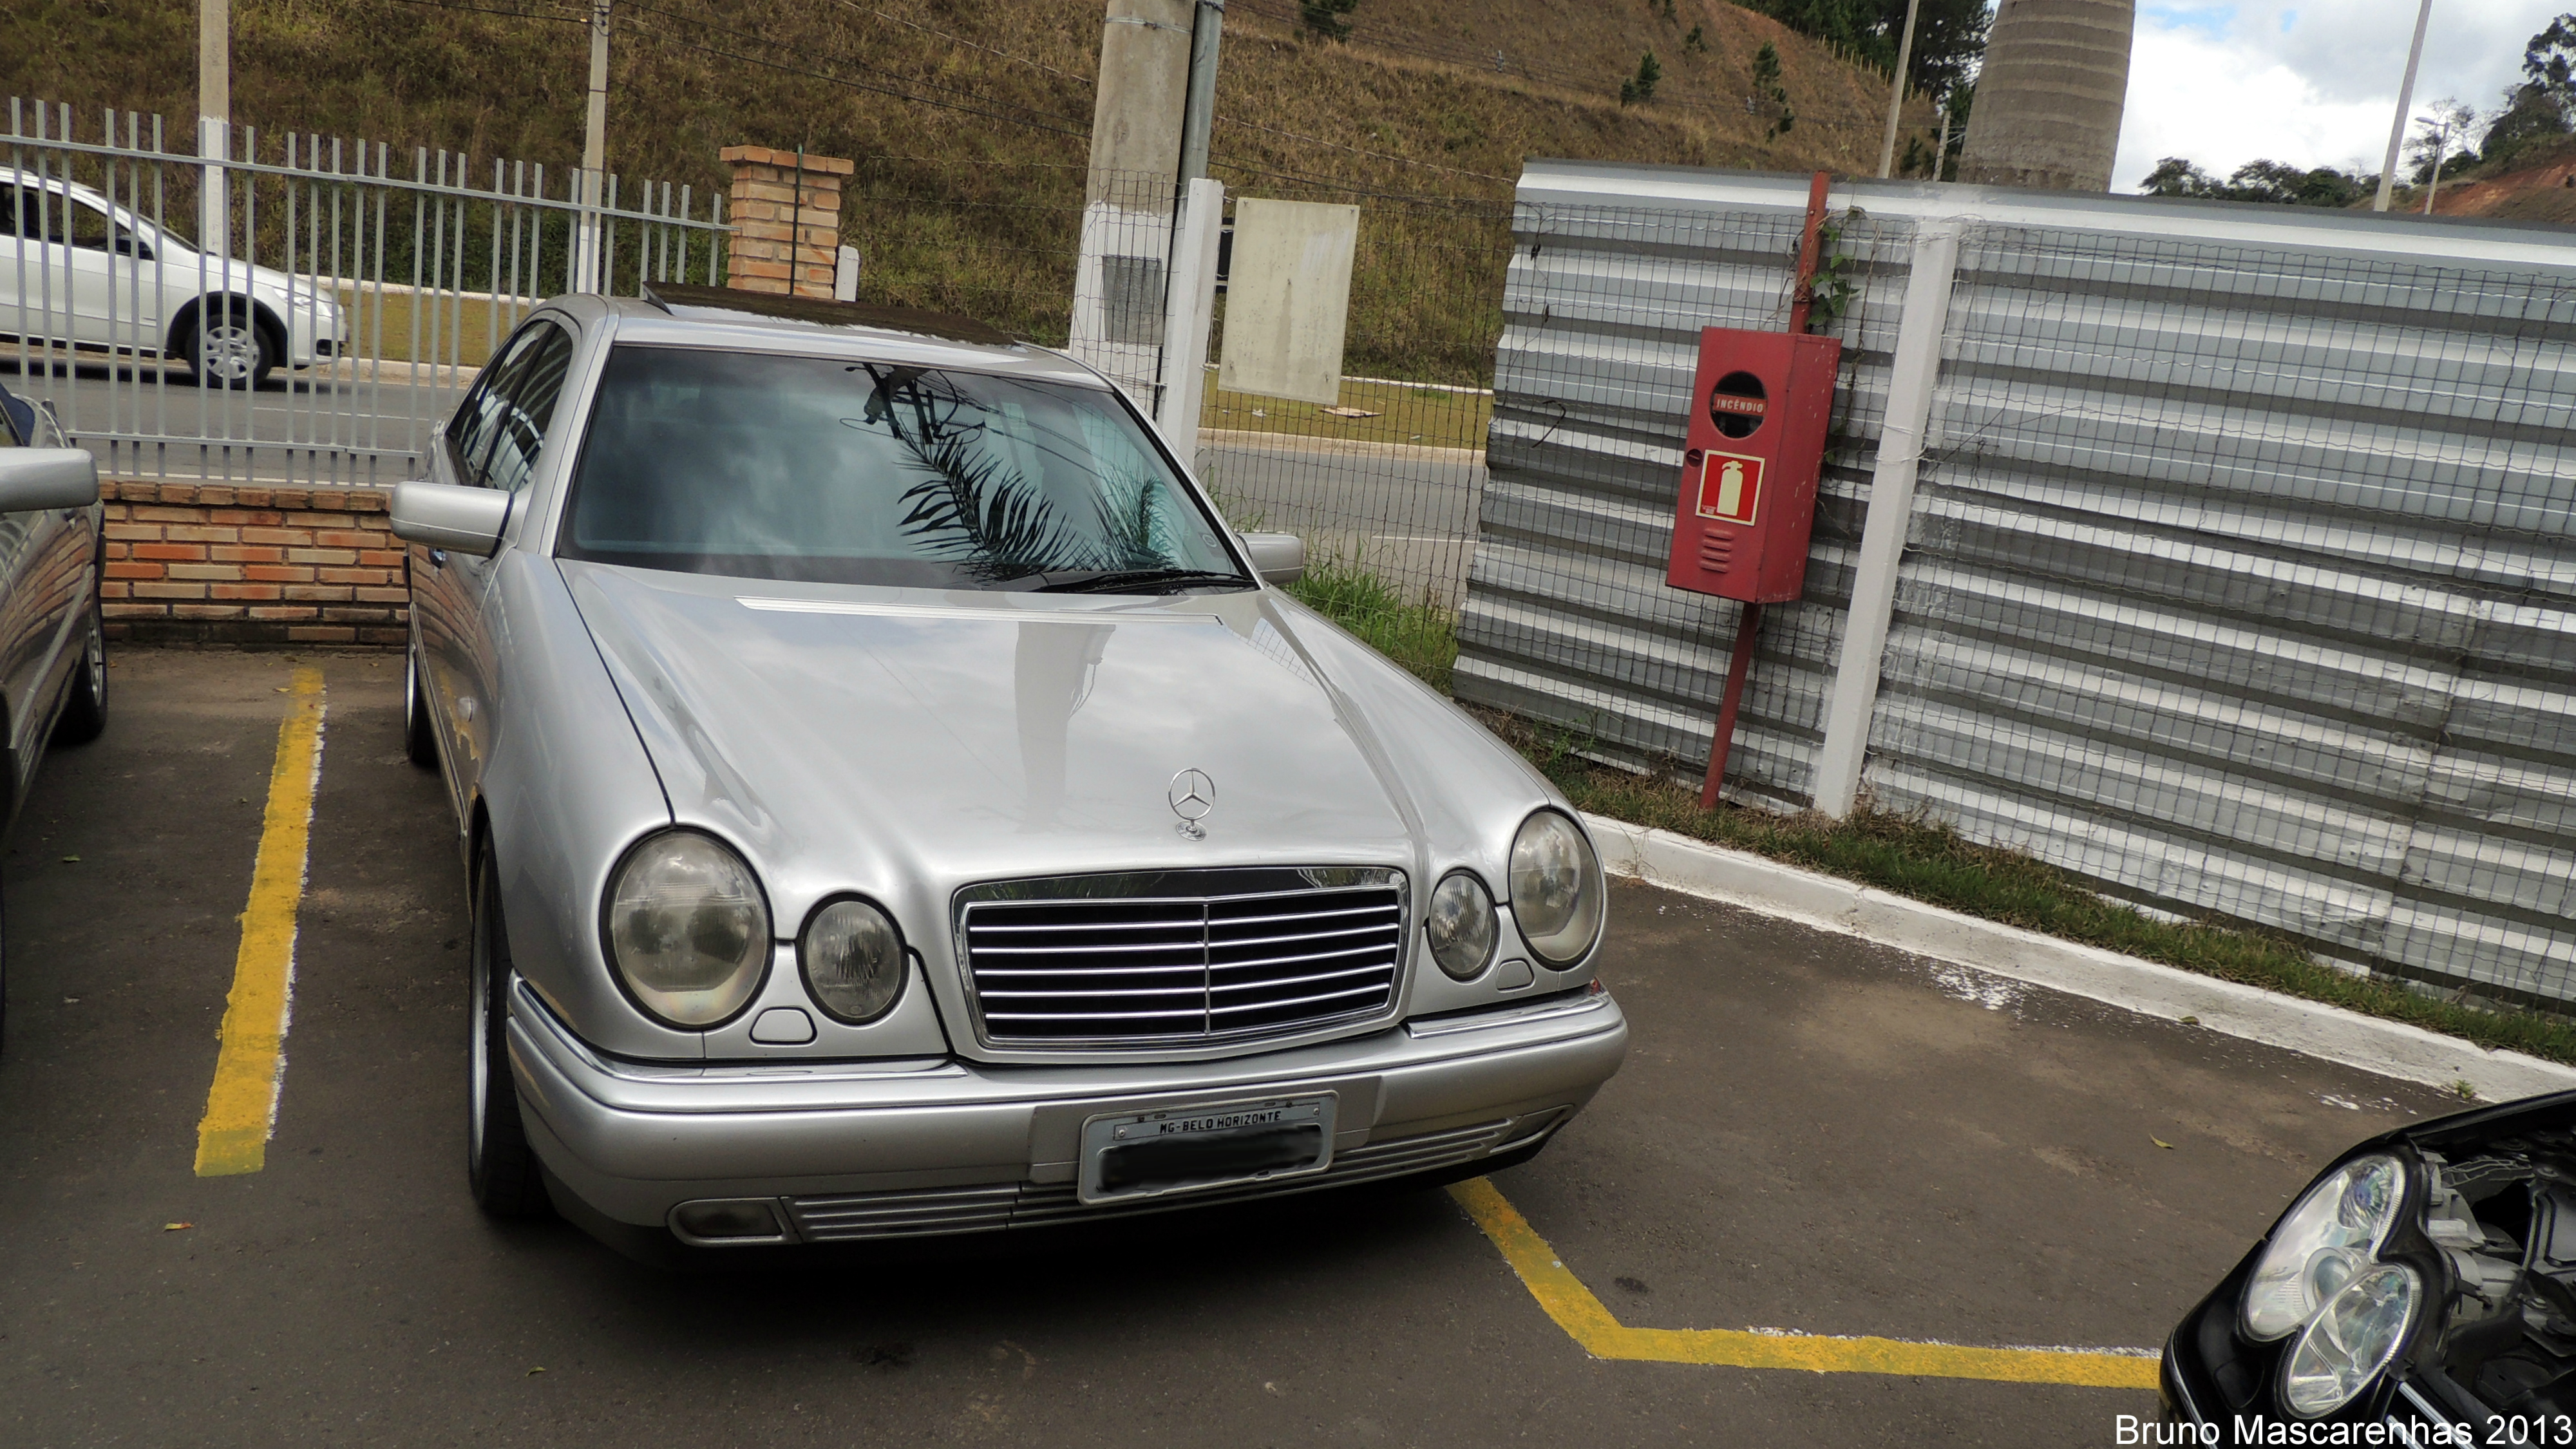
(856, 1150)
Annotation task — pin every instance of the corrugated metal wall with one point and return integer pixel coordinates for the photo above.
(2241, 576)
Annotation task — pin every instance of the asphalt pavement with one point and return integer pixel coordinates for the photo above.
(1810, 1135)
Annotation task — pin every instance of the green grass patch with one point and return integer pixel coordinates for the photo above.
(1929, 861)
(1423, 637)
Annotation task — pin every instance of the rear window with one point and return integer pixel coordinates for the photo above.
(755, 465)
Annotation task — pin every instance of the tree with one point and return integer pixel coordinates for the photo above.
(1324, 17)
(1767, 87)
(1697, 40)
(1949, 35)
(2275, 182)
(2531, 115)
(1640, 88)
(2549, 62)
(2442, 138)
(2049, 95)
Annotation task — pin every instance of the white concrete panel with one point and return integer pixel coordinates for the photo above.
(1288, 296)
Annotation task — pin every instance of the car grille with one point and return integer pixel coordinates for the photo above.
(1182, 957)
(859, 1217)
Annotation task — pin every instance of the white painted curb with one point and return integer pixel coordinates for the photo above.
(1827, 903)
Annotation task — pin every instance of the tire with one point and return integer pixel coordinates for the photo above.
(500, 1168)
(231, 351)
(420, 745)
(84, 716)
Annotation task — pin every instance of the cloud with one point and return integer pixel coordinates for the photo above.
(2312, 83)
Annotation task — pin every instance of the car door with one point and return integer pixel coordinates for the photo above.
(87, 233)
(25, 613)
(499, 433)
(441, 598)
(38, 279)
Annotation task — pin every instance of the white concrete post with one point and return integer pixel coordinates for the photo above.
(594, 153)
(214, 119)
(1189, 311)
(1891, 509)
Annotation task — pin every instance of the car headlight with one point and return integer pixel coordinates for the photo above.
(687, 928)
(852, 957)
(1556, 888)
(2327, 1241)
(1460, 924)
(2352, 1340)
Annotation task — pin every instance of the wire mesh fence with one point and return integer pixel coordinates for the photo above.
(2243, 581)
(301, 311)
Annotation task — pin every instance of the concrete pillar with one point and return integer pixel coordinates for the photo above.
(2049, 98)
(1143, 91)
(786, 221)
(1917, 369)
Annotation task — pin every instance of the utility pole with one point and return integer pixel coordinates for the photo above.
(1896, 96)
(1198, 117)
(2405, 102)
(594, 156)
(214, 118)
(2441, 151)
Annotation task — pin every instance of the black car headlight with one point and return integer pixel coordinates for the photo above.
(2347, 1344)
(687, 928)
(853, 960)
(2329, 1238)
(1556, 888)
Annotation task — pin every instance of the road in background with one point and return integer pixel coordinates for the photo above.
(1810, 1134)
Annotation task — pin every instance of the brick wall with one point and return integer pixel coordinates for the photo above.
(208, 563)
(786, 215)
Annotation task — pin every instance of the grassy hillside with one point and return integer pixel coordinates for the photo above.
(971, 122)
(2538, 184)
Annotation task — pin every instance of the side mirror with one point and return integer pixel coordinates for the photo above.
(1280, 558)
(451, 515)
(33, 479)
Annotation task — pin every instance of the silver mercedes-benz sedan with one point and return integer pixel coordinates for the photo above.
(895, 802)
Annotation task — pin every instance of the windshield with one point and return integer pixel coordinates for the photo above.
(820, 470)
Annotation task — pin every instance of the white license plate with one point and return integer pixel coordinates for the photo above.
(1149, 1154)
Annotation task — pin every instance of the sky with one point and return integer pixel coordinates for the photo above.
(2310, 82)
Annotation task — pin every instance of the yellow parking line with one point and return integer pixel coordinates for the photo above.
(241, 1106)
(1590, 1324)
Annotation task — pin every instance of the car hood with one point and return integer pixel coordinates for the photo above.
(902, 742)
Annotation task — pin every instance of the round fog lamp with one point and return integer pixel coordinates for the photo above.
(2325, 1241)
(1556, 888)
(852, 957)
(2348, 1344)
(1460, 925)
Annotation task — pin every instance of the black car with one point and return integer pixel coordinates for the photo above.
(2421, 1291)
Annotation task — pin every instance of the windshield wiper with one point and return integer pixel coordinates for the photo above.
(1125, 579)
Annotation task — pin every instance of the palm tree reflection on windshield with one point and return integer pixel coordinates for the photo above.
(974, 508)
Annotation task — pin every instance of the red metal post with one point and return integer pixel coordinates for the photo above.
(1722, 741)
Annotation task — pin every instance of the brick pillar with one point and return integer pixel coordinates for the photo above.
(770, 200)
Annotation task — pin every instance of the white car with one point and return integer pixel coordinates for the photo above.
(74, 269)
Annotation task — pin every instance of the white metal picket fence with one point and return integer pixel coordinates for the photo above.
(299, 312)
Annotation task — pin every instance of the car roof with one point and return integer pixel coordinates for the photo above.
(724, 317)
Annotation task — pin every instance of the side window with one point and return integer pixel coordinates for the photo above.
(469, 432)
(528, 407)
(10, 202)
(90, 226)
